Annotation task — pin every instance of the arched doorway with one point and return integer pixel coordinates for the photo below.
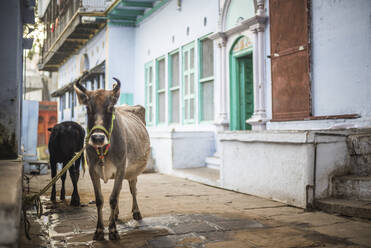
(241, 83)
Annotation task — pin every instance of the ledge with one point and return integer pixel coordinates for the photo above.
(171, 134)
(11, 174)
(286, 137)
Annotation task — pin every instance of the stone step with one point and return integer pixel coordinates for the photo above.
(359, 144)
(213, 162)
(352, 208)
(352, 187)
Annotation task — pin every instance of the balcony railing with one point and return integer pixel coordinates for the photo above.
(59, 15)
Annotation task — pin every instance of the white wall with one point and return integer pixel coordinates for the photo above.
(153, 37)
(94, 48)
(276, 166)
(69, 71)
(120, 57)
(283, 165)
(176, 150)
(341, 50)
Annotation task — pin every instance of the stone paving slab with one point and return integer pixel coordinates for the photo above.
(181, 213)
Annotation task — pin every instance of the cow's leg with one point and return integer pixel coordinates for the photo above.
(117, 211)
(135, 208)
(53, 167)
(74, 174)
(113, 234)
(99, 232)
(63, 177)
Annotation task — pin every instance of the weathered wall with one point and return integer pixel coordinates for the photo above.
(283, 165)
(341, 45)
(11, 77)
(276, 166)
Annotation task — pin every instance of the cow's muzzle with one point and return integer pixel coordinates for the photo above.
(98, 139)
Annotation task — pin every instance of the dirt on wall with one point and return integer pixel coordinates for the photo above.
(8, 147)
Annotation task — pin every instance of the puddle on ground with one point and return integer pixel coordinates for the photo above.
(66, 226)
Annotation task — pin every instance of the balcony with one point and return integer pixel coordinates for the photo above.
(69, 24)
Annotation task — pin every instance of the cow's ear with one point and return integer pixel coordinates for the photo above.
(81, 93)
(116, 91)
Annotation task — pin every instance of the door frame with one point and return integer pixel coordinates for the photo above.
(235, 117)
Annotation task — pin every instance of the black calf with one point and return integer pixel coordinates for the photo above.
(66, 139)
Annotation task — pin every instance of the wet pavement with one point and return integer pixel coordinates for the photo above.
(181, 213)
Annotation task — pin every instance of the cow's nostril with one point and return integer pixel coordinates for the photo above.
(97, 138)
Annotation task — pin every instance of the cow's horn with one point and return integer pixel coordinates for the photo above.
(117, 86)
(78, 85)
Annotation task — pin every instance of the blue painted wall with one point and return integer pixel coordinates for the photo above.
(120, 57)
(30, 117)
(11, 32)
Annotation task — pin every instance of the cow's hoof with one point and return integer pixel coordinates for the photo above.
(137, 216)
(98, 235)
(53, 199)
(75, 203)
(114, 235)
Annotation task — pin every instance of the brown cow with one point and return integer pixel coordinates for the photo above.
(118, 148)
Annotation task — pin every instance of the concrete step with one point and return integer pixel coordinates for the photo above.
(213, 162)
(11, 175)
(352, 187)
(359, 148)
(352, 208)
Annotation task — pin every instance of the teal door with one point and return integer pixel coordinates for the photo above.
(242, 95)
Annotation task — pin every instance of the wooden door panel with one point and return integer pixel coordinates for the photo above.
(290, 59)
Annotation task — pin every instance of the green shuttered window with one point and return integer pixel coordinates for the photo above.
(174, 90)
(206, 86)
(189, 83)
(160, 90)
(148, 79)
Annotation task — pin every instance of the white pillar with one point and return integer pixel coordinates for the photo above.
(222, 117)
(261, 59)
(258, 119)
(255, 71)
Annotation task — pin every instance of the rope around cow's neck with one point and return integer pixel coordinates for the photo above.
(34, 200)
(104, 152)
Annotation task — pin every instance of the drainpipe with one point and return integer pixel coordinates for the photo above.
(311, 196)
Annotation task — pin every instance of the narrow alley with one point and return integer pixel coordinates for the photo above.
(181, 213)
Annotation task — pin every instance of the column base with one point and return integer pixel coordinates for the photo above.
(258, 121)
(222, 123)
